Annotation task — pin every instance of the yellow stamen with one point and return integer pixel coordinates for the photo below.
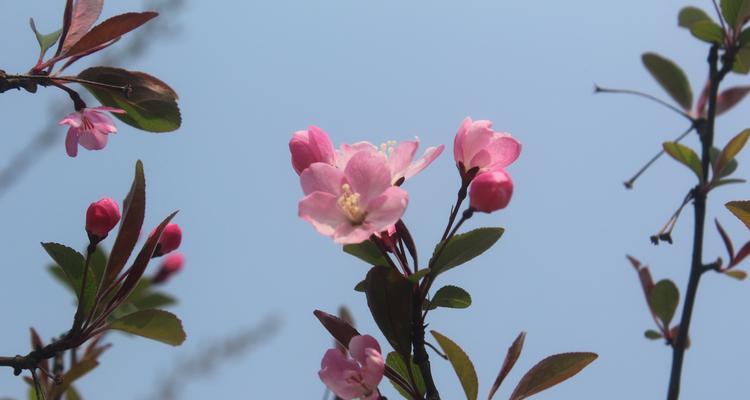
(349, 204)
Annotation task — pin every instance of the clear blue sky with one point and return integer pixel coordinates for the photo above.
(251, 73)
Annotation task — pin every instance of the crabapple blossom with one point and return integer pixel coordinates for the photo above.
(490, 191)
(355, 377)
(400, 156)
(311, 146)
(101, 217)
(89, 127)
(476, 145)
(353, 202)
(169, 240)
(172, 264)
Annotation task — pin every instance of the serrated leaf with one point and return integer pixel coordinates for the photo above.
(461, 364)
(390, 299)
(652, 334)
(45, 41)
(664, 300)
(708, 31)
(738, 274)
(730, 151)
(551, 371)
(450, 297)
(686, 156)
(150, 104)
(690, 15)
(741, 210)
(514, 351)
(464, 247)
(396, 362)
(366, 251)
(670, 77)
(72, 264)
(158, 325)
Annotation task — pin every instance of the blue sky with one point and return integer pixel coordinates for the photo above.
(251, 73)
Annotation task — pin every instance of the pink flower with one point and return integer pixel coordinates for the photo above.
(170, 239)
(356, 377)
(101, 217)
(171, 265)
(477, 146)
(90, 128)
(311, 146)
(352, 203)
(400, 157)
(490, 191)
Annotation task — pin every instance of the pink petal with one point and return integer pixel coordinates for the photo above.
(71, 142)
(368, 174)
(479, 135)
(320, 177)
(458, 141)
(109, 109)
(320, 141)
(345, 153)
(352, 234)
(102, 122)
(92, 140)
(358, 344)
(85, 13)
(373, 368)
(72, 119)
(401, 157)
(335, 369)
(386, 209)
(427, 158)
(322, 211)
(504, 150)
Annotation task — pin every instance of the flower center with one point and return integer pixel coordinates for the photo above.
(349, 204)
(387, 148)
(86, 124)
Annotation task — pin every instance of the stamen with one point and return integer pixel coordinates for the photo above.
(349, 204)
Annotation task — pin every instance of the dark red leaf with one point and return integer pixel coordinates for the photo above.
(514, 351)
(85, 13)
(741, 255)
(634, 262)
(337, 327)
(727, 241)
(730, 98)
(67, 18)
(109, 30)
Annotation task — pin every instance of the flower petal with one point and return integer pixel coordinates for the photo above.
(92, 140)
(427, 158)
(345, 153)
(71, 142)
(386, 209)
(352, 234)
(358, 344)
(458, 141)
(321, 177)
(335, 369)
(368, 174)
(322, 211)
(504, 150)
(478, 137)
(401, 157)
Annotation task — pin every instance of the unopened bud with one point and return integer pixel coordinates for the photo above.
(101, 217)
(491, 191)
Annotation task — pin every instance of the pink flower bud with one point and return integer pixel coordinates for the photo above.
(170, 240)
(355, 377)
(171, 265)
(101, 217)
(478, 146)
(311, 146)
(491, 191)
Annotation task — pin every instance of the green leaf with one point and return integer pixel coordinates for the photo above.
(730, 152)
(738, 274)
(723, 182)
(461, 364)
(366, 251)
(450, 297)
(72, 263)
(744, 37)
(652, 334)
(690, 15)
(154, 300)
(741, 210)
(514, 351)
(728, 169)
(158, 325)
(360, 287)
(664, 299)
(149, 103)
(686, 156)
(742, 61)
(59, 275)
(464, 247)
(389, 297)
(708, 31)
(415, 277)
(398, 365)
(670, 77)
(45, 41)
(551, 371)
(729, 9)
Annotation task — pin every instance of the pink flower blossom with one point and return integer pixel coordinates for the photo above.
(356, 377)
(491, 191)
(89, 128)
(354, 202)
(477, 146)
(400, 156)
(101, 217)
(311, 146)
(171, 265)
(170, 239)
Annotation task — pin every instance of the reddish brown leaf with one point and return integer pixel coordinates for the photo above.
(67, 18)
(742, 254)
(646, 281)
(85, 13)
(551, 371)
(727, 241)
(109, 30)
(514, 351)
(730, 98)
(337, 327)
(634, 262)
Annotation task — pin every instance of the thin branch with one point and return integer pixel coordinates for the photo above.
(599, 89)
(630, 182)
